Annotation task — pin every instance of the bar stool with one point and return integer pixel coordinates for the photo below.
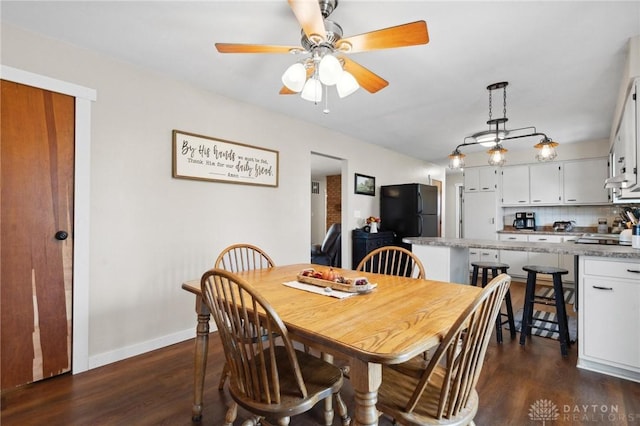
(530, 298)
(496, 268)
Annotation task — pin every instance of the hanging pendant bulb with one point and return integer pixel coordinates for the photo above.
(312, 90)
(294, 77)
(497, 155)
(456, 160)
(546, 150)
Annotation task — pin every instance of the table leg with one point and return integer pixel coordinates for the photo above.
(366, 379)
(200, 358)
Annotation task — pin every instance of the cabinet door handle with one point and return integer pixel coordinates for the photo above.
(602, 288)
(484, 188)
(535, 201)
(635, 271)
(542, 239)
(571, 199)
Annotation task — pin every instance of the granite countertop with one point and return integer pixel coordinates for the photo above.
(625, 252)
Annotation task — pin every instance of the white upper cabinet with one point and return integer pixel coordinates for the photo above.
(583, 181)
(515, 185)
(545, 183)
(625, 150)
(575, 182)
(477, 179)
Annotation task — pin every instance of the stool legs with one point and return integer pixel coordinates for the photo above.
(485, 280)
(527, 312)
(561, 312)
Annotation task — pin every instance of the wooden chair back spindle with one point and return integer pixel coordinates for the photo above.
(243, 257)
(392, 260)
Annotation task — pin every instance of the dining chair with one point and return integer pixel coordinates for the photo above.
(271, 381)
(392, 260)
(237, 258)
(243, 257)
(444, 392)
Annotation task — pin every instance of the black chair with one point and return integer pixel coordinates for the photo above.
(330, 252)
(531, 298)
(495, 268)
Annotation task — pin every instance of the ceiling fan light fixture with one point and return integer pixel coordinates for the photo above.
(294, 77)
(347, 84)
(546, 150)
(329, 70)
(312, 90)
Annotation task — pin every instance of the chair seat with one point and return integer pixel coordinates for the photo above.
(490, 265)
(320, 378)
(397, 388)
(540, 269)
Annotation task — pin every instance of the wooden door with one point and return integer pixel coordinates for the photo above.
(36, 204)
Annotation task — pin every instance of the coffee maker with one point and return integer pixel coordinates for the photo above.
(525, 220)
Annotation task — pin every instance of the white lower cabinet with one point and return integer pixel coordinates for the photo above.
(545, 259)
(609, 316)
(482, 255)
(515, 259)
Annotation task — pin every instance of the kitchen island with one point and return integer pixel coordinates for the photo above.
(608, 290)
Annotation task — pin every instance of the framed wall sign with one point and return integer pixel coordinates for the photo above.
(204, 158)
(365, 185)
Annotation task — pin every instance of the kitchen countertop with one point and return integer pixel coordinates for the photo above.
(601, 250)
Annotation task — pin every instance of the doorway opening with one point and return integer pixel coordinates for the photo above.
(326, 194)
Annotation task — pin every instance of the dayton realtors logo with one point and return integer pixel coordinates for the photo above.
(544, 410)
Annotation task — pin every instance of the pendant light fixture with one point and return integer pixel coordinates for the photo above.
(497, 133)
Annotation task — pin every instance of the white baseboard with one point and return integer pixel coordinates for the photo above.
(130, 351)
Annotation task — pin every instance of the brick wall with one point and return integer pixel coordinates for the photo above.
(334, 199)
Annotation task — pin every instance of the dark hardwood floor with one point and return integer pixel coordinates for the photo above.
(156, 389)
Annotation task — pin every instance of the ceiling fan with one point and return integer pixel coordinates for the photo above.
(324, 51)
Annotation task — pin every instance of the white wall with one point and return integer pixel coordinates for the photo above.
(150, 232)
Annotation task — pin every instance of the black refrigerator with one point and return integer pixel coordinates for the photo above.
(409, 210)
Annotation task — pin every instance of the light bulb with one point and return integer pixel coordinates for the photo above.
(294, 77)
(312, 90)
(496, 156)
(547, 153)
(329, 70)
(456, 160)
(546, 150)
(347, 84)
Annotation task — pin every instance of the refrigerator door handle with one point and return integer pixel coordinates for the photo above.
(420, 225)
(420, 206)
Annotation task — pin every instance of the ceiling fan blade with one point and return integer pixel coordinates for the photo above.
(402, 35)
(286, 91)
(310, 18)
(367, 79)
(254, 48)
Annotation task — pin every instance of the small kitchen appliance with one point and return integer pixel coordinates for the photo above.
(525, 220)
(566, 225)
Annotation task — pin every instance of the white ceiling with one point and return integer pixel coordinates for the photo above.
(563, 60)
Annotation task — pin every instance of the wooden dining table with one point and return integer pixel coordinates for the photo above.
(401, 318)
